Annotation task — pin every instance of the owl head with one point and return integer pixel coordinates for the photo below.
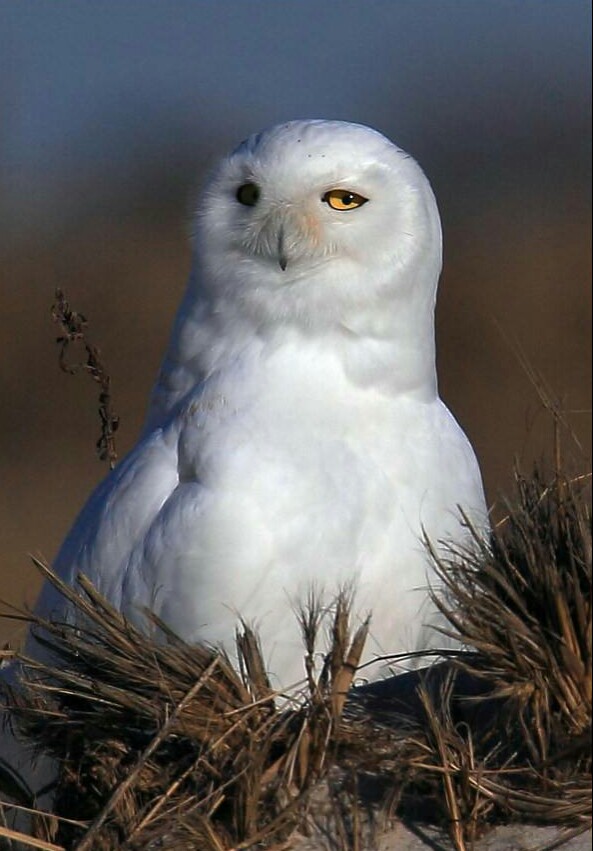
(319, 224)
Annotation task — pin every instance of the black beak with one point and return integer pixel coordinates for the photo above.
(282, 258)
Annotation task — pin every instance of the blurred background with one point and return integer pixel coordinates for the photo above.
(111, 112)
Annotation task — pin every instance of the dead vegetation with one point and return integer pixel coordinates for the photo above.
(74, 333)
(165, 745)
(161, 741)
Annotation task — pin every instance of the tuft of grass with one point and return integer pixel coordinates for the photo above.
(157, 738)
(523, 601)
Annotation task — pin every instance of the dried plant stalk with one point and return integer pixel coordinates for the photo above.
(73, 326)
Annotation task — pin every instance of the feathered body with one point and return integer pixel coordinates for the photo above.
(295, 436)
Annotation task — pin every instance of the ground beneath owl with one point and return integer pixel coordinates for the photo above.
(401, 837)
(336, 824)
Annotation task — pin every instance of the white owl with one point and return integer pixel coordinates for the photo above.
(295, 436)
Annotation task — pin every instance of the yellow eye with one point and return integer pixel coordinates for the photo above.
(343, 199)
(248, 194)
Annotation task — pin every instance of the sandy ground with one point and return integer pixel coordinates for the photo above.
(374, 834)
(522, 837)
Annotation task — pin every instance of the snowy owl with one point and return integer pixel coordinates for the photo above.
(295, 437)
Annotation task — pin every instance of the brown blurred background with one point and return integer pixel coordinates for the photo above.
(110, 116)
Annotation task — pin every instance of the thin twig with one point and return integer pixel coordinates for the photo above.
(41, 844)
(73, 327)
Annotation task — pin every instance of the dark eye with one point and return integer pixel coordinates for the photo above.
(248, 194)
(343, 199)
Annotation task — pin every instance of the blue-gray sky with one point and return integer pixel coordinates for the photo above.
(89, 87)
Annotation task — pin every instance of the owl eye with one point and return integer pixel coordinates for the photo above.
(248, 194)
(343, 199)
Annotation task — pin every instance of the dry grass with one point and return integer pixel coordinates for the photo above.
(160, 738)
(524, 603)
(162, 744)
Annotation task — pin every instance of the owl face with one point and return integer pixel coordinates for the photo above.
(314, 218)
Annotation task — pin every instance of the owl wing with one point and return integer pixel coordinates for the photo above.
(116, 515)
(181, 370)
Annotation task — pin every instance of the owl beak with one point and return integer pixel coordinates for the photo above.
(282, 258)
